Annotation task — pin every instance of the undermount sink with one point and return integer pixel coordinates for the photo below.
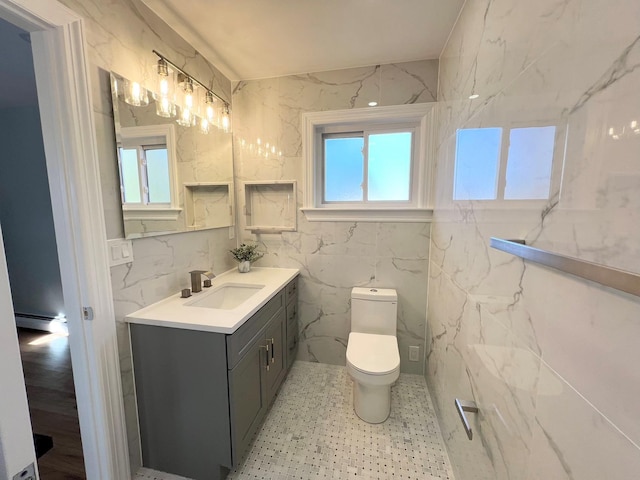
(226, 296)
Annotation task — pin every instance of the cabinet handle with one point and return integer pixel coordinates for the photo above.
(272, 350)
(266, 347)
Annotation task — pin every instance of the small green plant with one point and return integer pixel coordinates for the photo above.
(246, 253)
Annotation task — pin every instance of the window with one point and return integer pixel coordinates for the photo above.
(367, 164)
(504, 163)
(146, 161)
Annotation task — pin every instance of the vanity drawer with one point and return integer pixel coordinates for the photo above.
(239, 343)
(291, 289)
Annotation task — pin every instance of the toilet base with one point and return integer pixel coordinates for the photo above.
(372, 403)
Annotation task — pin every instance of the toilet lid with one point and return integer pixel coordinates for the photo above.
(373, 354)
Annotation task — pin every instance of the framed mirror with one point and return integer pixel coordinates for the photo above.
(173, 178)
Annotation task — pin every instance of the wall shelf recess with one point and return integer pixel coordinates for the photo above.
(208, 205)
(270, 206)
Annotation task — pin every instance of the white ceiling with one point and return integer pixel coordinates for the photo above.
(249, 39)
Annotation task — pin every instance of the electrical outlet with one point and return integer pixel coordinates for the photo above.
(414, 353)
(29, 473)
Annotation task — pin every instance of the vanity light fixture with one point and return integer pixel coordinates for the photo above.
(197, 102)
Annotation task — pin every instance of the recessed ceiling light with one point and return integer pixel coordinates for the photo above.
(373, 104)
(473, 96)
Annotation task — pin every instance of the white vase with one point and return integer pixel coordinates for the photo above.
(244, 267)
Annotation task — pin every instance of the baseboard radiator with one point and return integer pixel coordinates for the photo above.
(40, 322)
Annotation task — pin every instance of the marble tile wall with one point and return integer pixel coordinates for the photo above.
(335, 256)
(121, 35)
(549, 358)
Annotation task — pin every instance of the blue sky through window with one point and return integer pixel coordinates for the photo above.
(477, 163)
(390, 166)
(343, 169)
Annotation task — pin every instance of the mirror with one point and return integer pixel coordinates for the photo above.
(172, 178)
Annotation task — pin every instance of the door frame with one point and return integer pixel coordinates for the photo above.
(62, 79)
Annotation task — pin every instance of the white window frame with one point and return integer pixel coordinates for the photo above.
(139, 137)
(381, 119)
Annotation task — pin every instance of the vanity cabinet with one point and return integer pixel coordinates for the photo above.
(203, 395)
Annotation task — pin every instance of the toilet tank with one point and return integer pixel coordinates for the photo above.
(374, 310)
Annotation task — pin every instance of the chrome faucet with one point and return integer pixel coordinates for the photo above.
(196, 275)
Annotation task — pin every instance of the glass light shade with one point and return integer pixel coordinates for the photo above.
(226, 122)
(135, 94)
(165, 82)
(186, 118)
(210, 107)
(204, 125)
(165, 108)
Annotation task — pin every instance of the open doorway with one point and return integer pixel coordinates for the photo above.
(29, 238)
(59, 50)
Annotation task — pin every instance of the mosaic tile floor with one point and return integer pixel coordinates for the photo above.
(311, 432)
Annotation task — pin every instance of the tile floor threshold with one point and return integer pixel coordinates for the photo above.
(312, 432)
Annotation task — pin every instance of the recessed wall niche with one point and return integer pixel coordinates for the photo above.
(270, 206)
(208, 205)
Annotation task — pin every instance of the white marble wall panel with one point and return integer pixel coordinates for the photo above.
(335, 256)
(551, 353)
(121, 35)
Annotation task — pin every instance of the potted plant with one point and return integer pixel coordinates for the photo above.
(244, 255)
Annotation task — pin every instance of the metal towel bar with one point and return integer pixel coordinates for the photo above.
(608, 276)
(466, 406)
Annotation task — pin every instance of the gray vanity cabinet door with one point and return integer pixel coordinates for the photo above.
(248, 394)
(276, 336)
(182, 398)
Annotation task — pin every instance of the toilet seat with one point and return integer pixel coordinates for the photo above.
(373, 354)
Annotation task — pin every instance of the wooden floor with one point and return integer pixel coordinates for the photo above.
(52, 403)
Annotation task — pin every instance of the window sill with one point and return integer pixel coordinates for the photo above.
(151, 213)
(395, 215)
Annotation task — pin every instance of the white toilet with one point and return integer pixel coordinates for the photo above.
(373, 359)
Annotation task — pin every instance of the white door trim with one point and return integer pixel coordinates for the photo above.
(72, 164)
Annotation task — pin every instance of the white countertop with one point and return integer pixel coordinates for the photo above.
(172, 312)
